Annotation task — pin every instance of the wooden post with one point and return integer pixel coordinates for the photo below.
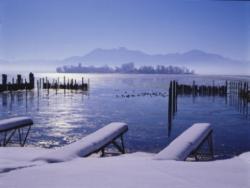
(193, 88)
(19, 78)
(46, 80)
(170, 105)
(47, 85)
(173, 98)
(31, 81)
(40, 83)
(25, 83)
(176, 95)
(213, 89)
(43, 83)
(37, 83)
(4, 82)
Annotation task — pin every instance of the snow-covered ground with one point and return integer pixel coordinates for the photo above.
(137, 170)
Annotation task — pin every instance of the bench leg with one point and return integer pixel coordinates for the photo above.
(209, 140)
(103, 152)
(21, 133)
(210, 145)
(27, 133)
(120, 148)
(8, 138)
(20, 136)
(123, 147)
(4, 139)
(196, 157)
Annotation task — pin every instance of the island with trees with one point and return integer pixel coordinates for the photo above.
(127, 68)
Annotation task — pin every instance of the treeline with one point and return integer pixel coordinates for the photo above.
(125, 68)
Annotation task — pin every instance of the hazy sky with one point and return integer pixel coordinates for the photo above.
(52, 29)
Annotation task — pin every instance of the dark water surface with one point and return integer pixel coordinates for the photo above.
(139, 100)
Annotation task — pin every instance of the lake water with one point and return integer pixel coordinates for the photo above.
(64, 117)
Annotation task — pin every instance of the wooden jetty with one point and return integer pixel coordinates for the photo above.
(18, 84)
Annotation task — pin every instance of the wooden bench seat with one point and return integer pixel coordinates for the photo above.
(92, 143)
(187, 143)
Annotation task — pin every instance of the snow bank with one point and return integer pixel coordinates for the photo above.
(132, 171)
(183, 145)
(86, 145)
(18, 169)
(12, 158)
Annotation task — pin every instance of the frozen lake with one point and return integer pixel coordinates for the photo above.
(139, 100)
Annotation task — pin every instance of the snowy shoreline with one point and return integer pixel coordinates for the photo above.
(129, 170)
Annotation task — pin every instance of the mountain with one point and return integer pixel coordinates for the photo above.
(114, 56)
(200, 61)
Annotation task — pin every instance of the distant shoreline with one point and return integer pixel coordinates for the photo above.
(127, 68)
(125, 73)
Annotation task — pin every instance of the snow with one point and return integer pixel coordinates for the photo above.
(18, 169)
(86, 145)
(18, 157)
(184, 144)
(14, 122)
(126, 171)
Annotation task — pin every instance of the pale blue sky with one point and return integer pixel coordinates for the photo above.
(55, 29)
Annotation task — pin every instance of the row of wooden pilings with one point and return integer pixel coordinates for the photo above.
(194, 89)
(18, 84)
(70, 84)
(237, 91)
(42, 83)
(239, 96)
(240, 89)
(176, 89)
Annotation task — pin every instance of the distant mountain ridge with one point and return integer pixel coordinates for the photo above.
(123, 55)
(198, 60)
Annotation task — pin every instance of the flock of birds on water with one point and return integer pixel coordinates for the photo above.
(142, 94)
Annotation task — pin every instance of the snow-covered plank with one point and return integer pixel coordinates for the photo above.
(15, 122)
(180, 148)
(86, 145)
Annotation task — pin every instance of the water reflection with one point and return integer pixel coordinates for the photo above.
(62, 117)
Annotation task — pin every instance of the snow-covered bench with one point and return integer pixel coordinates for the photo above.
(92, 143)
(188, 143)
(8, 128)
